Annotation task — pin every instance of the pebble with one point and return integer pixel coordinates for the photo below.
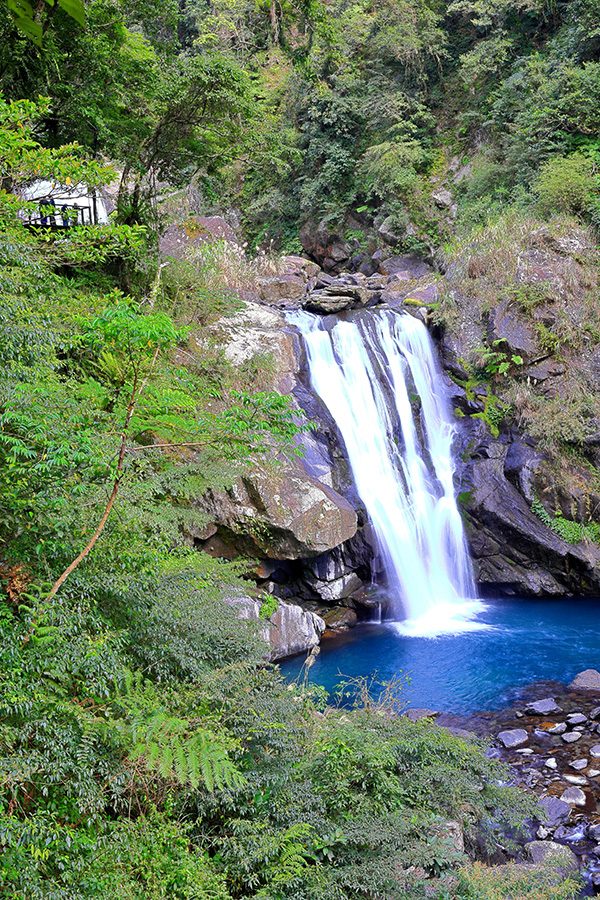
(525, 751)
(559, 728)
(543, 707)
(595, 713)
(576, 719)
(593, 773)
(574, 796)
(575, 779)
(595, 751)
(514, 738)
(573, 736)
(594, 832)
(579, 764)
(551, 763)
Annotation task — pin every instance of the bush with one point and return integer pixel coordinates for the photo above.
(567, 184)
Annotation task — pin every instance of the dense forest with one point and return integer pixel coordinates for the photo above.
(148, 750)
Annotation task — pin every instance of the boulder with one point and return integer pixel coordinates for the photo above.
(340, 618)
(588, 680)
(281, 287)
(512, 738)
(336, 297)
(555, 811)
(550, 852)
(336, 590)
(291, 629)
(253, 331)
(574, 796)
(442, 198)
(281, 513)
(543, 707)
(407, 267)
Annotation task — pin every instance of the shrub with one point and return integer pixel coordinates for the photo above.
(567, 184)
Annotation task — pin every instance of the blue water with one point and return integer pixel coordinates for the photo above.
(527, 641)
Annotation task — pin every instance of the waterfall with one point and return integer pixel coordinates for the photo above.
(371, 373)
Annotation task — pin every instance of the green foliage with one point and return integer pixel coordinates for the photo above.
(568, 185)
(514, 880)
(570, 531)
(496, 359)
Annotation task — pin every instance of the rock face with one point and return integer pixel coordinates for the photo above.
(290, 629)
(281, 514)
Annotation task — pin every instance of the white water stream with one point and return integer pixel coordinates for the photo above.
(367, 372)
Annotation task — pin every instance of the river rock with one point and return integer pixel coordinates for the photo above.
(576, 779)
(543, 707)
(573, 796)
(559, 728)
(579, 764)
(555, 811)
(595, 751)
(553, 854)
(513, 738)
(588, 680)
(576, 719)
(551, 763)
(593, 832)
(571, 736)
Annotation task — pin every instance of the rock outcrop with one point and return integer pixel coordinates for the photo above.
(290, 630)
(281, 513)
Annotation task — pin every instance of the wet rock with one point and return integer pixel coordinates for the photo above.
(595, 751)
(576, 779)
(550, 852)
(336, 590)
(571, 736)
(588, 680)
(579, 764)
(559, 728)
(543, 707)
(554, 811)
(573, 796)
(551, 763)
(340, 618)
(513, 738)
(593, 833)
(576, 719)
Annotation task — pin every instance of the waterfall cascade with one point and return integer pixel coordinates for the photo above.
(370, 373)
